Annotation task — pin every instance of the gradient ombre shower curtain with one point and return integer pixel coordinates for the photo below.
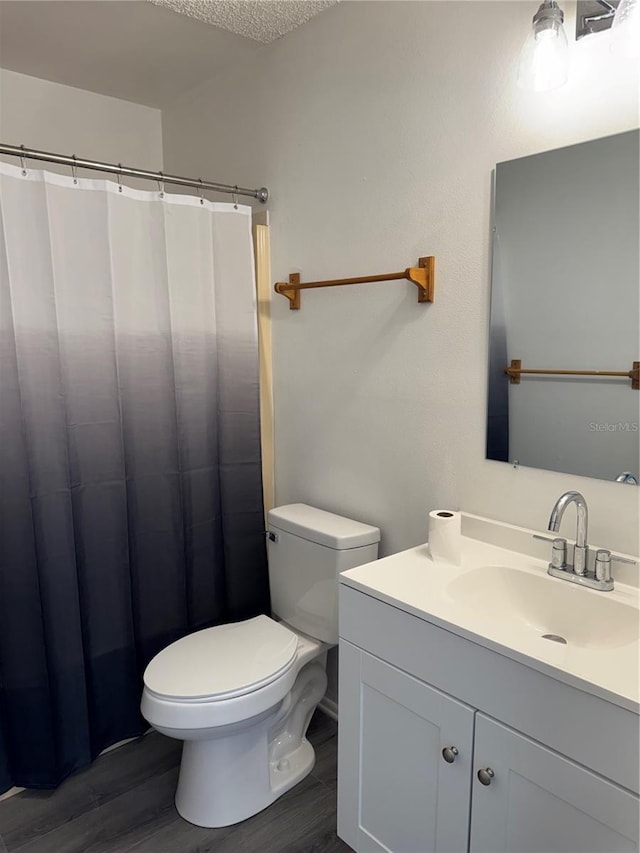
(130, 481)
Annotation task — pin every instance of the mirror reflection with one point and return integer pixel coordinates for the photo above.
(565, 297)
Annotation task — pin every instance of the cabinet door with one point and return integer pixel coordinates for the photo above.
(396, 792)
(539, 802)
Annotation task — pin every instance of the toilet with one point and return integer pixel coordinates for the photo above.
(241, 695)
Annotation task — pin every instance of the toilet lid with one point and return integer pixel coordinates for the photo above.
(222, 662)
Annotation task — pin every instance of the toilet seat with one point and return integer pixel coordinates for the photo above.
(222, 663)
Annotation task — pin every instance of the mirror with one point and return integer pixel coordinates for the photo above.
(565, 297)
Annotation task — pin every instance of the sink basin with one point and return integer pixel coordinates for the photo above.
(542, 605)
(501, 597)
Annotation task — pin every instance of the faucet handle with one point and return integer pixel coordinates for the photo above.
(628, 560)
(604, 558)
(558, 552)
(602, 566)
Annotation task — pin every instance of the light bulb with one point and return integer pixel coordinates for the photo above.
(544, 62)
(625, 29)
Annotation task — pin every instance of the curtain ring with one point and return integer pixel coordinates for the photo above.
(235, 196)
(74, 169)
(119, 177)
(23, 162)
(201, 192)
(161, 185)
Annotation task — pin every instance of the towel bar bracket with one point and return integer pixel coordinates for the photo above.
(292, 293)
(424, 278)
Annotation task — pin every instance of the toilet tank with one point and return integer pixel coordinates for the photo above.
(308, 548)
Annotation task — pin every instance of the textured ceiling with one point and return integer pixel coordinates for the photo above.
(260, 20)
(131, 50)
(137, 50)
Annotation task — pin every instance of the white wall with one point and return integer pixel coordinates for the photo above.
(51, 117)
(376, 127)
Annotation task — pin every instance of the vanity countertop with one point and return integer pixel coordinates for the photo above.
(595, 660)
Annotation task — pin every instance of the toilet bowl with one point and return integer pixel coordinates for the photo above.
(242, 716)
(241, 695)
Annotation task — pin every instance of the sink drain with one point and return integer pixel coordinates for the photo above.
(555, 638)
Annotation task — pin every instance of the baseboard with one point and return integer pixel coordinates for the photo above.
(329, 707)
(117, 745)
(11, 793)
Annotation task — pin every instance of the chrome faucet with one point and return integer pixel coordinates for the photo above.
(581, 550)
(600, 578)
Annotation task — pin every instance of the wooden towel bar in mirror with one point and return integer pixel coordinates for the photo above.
(516, 370)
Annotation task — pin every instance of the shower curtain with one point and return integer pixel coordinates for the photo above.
(130, 479)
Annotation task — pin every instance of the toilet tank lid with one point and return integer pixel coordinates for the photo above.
(323, 528)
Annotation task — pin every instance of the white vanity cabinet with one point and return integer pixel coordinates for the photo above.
(539, 801)
(424, 711)
(397, 791)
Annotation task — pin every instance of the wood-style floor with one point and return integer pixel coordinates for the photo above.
(124, 802)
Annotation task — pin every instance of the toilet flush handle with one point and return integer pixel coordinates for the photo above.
(271, 536)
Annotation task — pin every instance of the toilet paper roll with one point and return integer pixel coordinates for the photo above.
(445, 535)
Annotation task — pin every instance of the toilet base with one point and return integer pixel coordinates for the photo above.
(222, 799)
(287, 772)
(227, 779)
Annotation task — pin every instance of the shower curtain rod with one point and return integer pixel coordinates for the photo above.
(261, 194)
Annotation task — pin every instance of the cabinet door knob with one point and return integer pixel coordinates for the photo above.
(449, 754)
(485, 775)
